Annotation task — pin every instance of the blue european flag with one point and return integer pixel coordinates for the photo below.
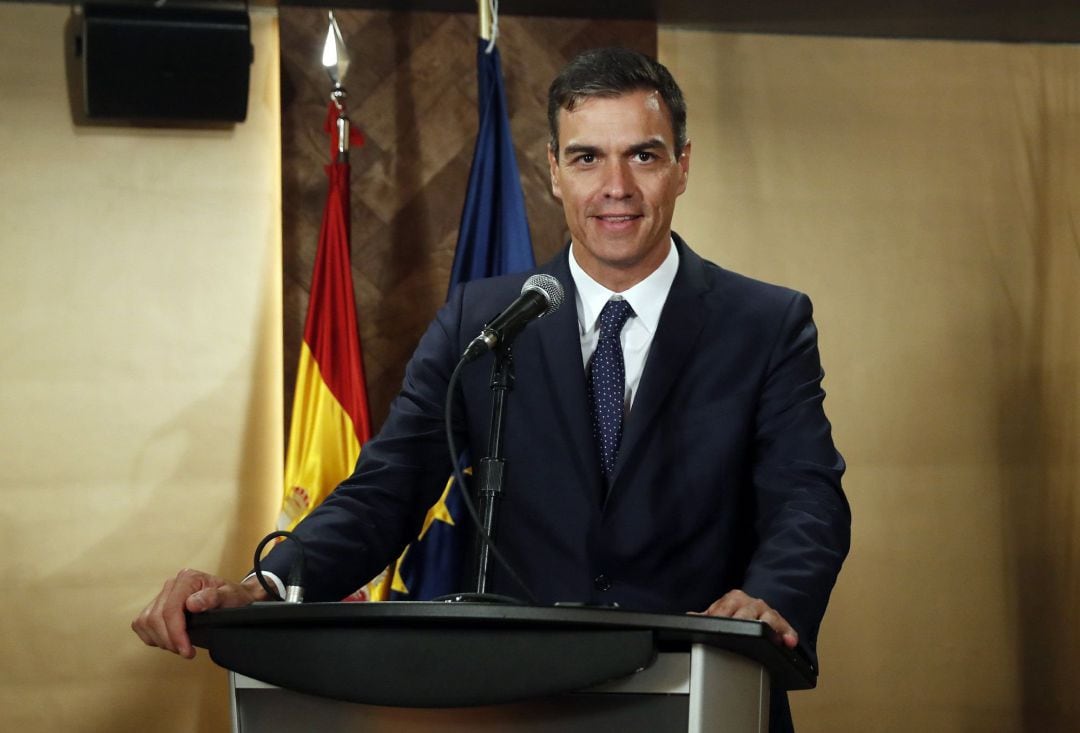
(493, 240)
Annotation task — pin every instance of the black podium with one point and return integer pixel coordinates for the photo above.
(478, 667)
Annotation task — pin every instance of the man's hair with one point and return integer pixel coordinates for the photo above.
(612, 72)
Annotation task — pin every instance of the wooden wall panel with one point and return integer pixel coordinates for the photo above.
(412, 91)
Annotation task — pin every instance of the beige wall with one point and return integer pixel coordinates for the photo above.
(140, 387)
(926, 195)
(923, 193)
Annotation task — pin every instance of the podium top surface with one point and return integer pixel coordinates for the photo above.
(788, 668)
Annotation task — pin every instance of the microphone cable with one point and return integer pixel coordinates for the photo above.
(459, 477)
(294, 586)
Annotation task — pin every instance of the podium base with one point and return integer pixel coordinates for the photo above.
(705, 689)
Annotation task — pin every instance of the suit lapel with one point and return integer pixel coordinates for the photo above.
(560, 350)
(677, 333)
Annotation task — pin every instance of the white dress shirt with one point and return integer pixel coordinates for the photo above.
(647, 298)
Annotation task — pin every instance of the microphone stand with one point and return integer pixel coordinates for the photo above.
(492, 468)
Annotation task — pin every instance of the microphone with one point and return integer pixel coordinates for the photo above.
(540, 295)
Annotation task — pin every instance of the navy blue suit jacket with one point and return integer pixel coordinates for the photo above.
(727, 476)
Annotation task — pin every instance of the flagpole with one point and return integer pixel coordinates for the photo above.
(484, 15)
(338, 96)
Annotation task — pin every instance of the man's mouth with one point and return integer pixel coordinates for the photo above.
(616, 218)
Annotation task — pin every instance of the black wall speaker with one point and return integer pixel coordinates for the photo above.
(143, 62)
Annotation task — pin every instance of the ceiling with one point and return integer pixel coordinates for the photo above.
(1047, 21)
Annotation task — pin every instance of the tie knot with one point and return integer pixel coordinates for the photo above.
(613, 317)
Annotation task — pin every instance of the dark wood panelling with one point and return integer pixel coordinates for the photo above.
(412, 90)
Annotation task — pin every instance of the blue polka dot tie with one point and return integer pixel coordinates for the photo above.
(607, 384)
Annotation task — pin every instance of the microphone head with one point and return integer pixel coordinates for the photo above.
(549, 287)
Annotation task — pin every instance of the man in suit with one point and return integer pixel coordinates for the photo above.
(702, 479)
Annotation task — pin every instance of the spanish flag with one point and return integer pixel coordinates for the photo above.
(330, 419)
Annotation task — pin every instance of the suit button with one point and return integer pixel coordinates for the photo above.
(602, 582)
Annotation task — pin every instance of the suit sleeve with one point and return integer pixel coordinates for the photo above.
(803, 519)
(367, 521)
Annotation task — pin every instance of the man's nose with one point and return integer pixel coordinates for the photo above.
(618, 180)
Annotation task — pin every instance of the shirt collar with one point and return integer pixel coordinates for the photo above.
(646, 298)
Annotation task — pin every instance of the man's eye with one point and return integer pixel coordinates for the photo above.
(587, 158)
(645, 156)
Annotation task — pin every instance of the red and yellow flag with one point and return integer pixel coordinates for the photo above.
(330, 419)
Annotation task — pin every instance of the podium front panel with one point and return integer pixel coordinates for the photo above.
(285, 711)
(705, 689)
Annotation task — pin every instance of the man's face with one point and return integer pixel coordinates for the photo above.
(617, 177)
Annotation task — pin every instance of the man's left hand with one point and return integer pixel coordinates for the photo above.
(736, 604)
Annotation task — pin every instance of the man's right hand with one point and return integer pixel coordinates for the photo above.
(162, 623)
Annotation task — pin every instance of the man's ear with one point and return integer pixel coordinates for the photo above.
(684, 167)
(553, 164)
